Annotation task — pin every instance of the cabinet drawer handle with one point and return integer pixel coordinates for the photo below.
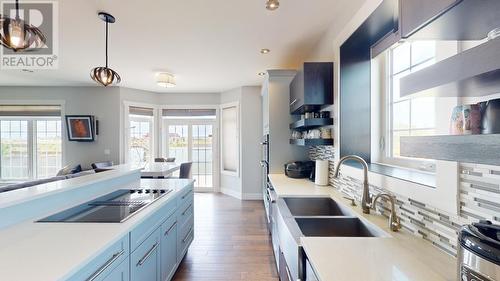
(288, 273)
(187, 235)
(169, 229)
(185, 195)
(187, 209)
(293, 102)
(105, 266)
(147, 255)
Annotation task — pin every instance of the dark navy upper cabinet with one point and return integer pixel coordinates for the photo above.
(448, 19)
(312, 87)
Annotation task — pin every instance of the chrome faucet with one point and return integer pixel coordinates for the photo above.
(365, 199)
(394, 222)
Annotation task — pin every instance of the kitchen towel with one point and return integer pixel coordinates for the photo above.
(321, 172)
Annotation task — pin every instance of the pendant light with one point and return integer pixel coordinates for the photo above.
(104, 75)
(17, 35)
(272, 5)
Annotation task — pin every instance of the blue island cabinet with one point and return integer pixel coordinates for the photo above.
(168, 247)
(145, 260)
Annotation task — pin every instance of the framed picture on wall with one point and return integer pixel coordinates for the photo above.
(80, 127)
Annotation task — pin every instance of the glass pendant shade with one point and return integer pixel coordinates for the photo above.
(17, 35)
(105, 76)
(165, 80)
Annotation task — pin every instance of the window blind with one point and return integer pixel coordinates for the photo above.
(188, 112)
(30, 110)
(143, 111)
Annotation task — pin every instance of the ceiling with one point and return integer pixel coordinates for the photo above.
(210, 45)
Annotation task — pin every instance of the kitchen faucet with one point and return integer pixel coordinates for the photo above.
(365, 199)
(394, 222)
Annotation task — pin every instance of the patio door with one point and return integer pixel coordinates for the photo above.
(193, 140)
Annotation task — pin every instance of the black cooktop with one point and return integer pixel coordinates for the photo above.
(114, 207)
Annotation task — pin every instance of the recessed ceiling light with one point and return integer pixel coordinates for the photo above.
(165, 80)
(262, 74)
(265, 51)
(272, 5)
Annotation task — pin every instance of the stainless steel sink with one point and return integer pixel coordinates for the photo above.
(337, 227)
(315, 207)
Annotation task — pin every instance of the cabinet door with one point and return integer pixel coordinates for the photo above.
(121, 273)
(168, 248)
(297, 91)
(416, 14)
(145, 260)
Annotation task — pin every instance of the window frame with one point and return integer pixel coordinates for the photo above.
(151, 120)
(387, 156)
(32, 144)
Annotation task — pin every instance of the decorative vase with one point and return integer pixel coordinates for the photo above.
(471, 119)
(457, 121)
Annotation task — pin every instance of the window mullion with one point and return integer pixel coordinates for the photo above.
(31, 149)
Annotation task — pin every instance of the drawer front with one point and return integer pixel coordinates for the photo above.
(145, 261)
(106, 262)
(144, 230)
(186, 194)
(185, 236)
(184, 212)
(168, 248)
(121, 273)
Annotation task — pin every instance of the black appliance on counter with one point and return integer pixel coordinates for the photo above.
(299, 169)
(479, 252)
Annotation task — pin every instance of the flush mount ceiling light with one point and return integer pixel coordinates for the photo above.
(104, 75)
(272, 5)
(265, 51)
(165, 80)
(262, 74)
(17, 35)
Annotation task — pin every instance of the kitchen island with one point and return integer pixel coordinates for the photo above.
(147, 246)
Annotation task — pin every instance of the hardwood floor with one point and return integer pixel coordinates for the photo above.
(231, 242)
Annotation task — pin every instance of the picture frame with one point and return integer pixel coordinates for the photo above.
(80, 128)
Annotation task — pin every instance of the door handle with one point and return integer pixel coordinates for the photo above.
(169, 229)
(187, 235)
(187, 209)
(293, 102)
(105, 266)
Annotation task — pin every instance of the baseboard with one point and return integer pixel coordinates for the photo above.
(231, 192)
(252, 196)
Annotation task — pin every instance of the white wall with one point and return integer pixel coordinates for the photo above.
(99, 101)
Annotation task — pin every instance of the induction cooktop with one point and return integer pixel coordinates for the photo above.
(115, 207)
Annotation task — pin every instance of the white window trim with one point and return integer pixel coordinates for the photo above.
(125, 129)
(238, 134)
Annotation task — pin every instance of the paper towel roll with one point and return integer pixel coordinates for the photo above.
(321, 173)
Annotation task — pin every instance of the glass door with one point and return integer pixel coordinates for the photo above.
(192, 140)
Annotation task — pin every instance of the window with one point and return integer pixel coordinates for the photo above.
(31, 146)
(230, 139)
(409, 116)
(141, 135)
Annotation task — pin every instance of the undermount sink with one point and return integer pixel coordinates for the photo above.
(315, 207)
(336, 227)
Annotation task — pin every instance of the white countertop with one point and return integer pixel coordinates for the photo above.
(55, 251)
(22, 195)
(401, 257)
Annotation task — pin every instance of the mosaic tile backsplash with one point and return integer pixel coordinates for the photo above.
(479, 199)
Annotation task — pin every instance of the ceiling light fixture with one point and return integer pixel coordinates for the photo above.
(262, 74)
(265, 51)
(104, 75)
(17, 35)
(165, 80)
(272, 5)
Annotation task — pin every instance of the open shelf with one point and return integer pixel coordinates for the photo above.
(306, 124)
(479, 149)
(311, 142)
(472, 73)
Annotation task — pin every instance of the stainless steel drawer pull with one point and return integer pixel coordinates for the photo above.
(185, 195)
(169, 229)
(105, 266)
(288, 273)
(187, 209)
(147, 255)
(293, 102)
(187, 235)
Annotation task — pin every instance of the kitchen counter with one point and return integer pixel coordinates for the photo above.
(400, 257)
(56, 251)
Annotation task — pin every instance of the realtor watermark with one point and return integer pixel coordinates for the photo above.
(42, 15)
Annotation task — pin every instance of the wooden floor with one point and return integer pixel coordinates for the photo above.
(231, 242)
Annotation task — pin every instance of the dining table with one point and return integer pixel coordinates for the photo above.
(159, 169)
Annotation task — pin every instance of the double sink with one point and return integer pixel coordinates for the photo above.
(324, 217)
